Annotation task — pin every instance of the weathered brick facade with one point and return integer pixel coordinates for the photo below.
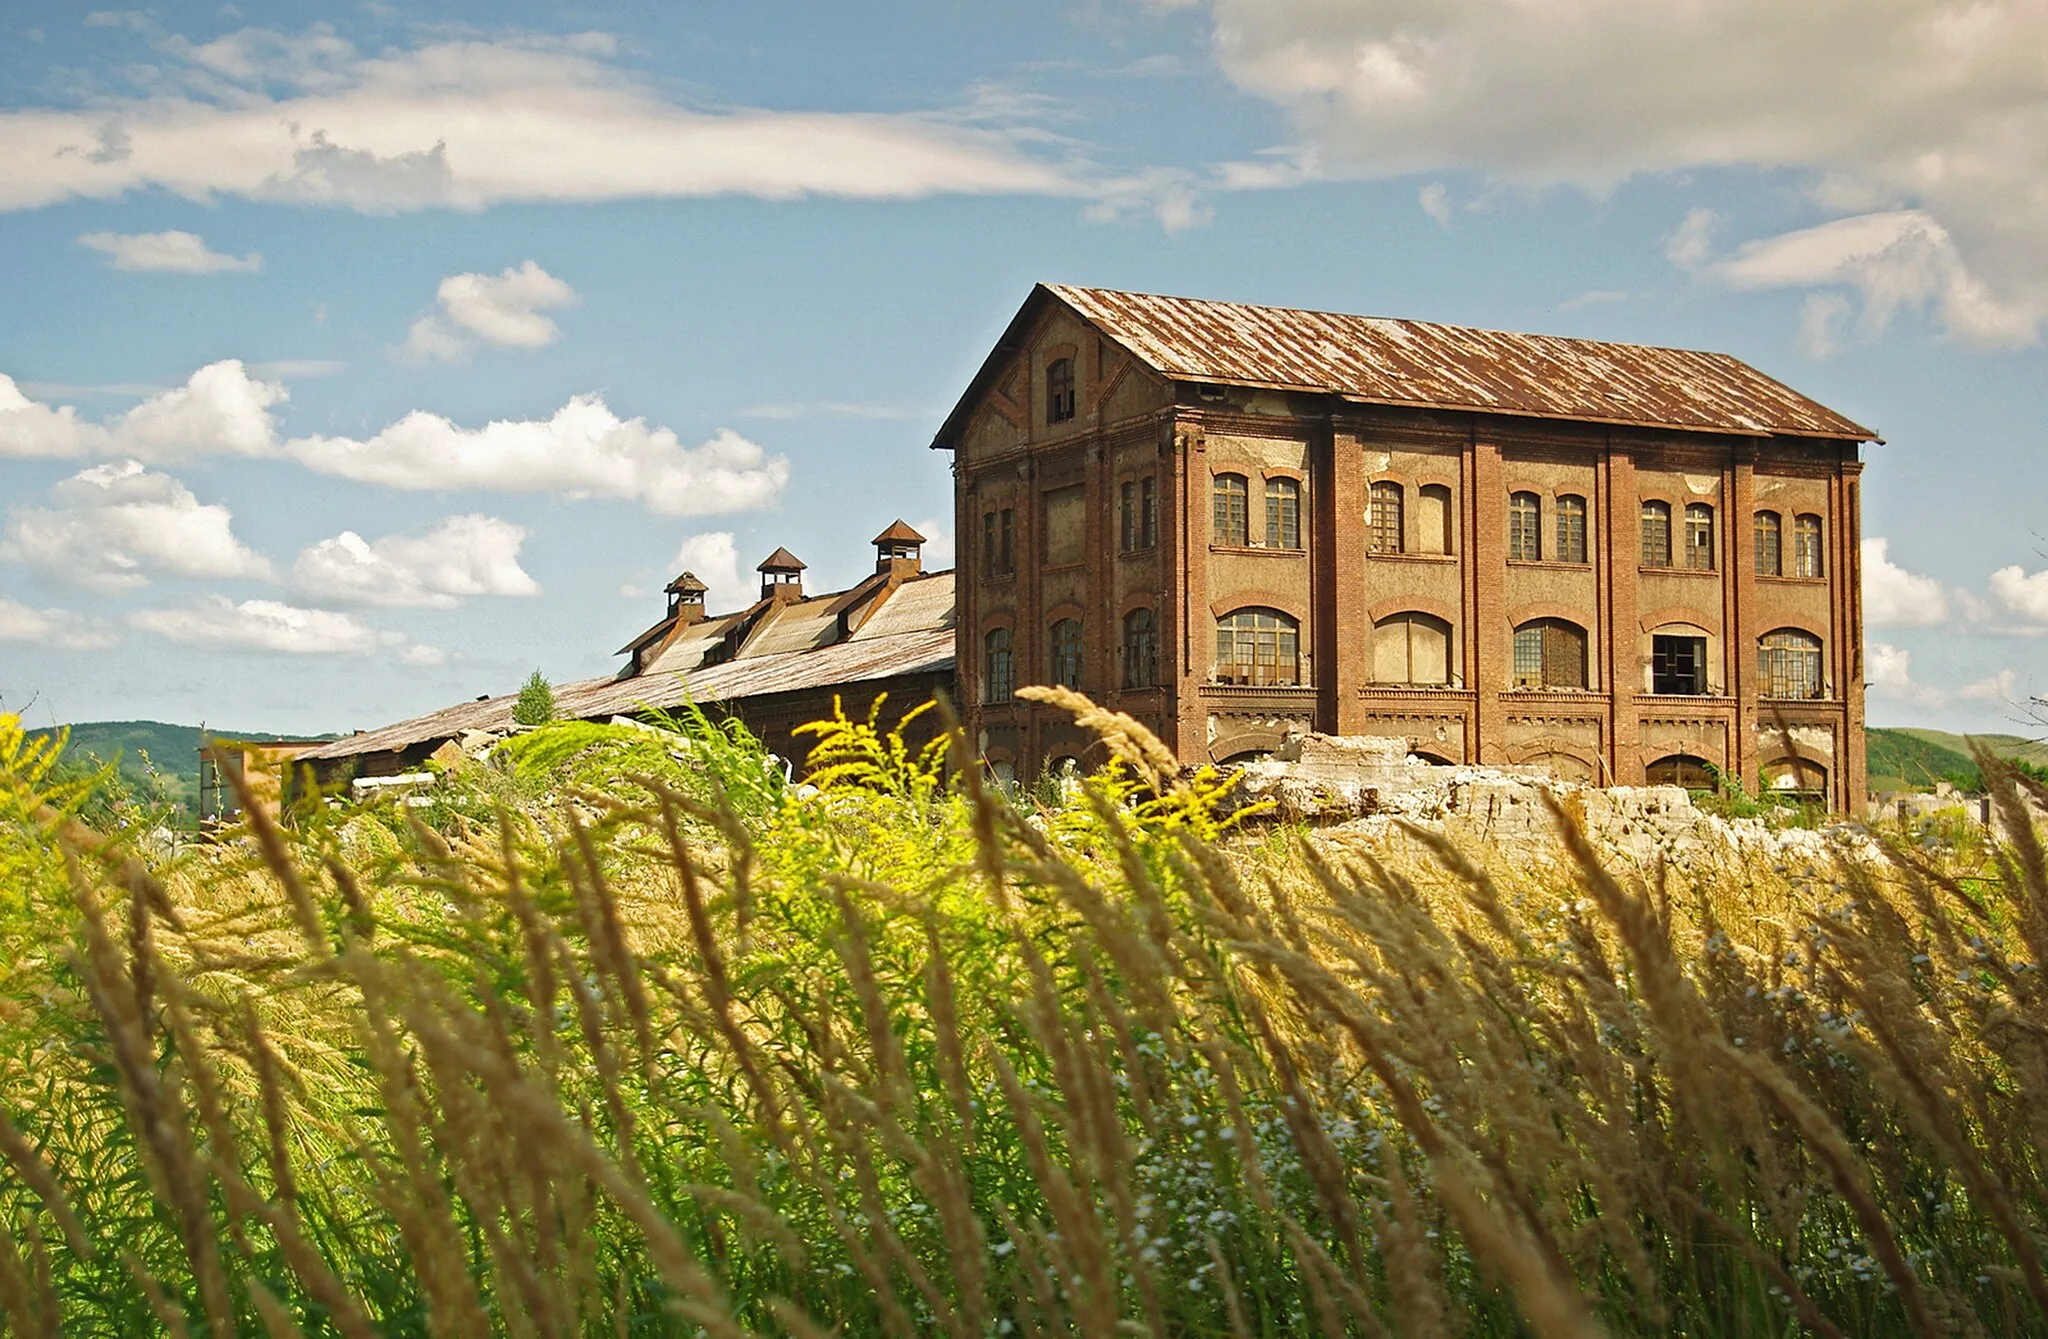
(1232, 509)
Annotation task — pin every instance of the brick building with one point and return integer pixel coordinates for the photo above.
(1233, 522)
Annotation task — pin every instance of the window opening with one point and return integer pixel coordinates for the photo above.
(1412, 648)
(1678, 664)
(1127, 517)
(1434, 529)
(1148, 513)
(1059, 391)
(1258, 646)
(1006, 553)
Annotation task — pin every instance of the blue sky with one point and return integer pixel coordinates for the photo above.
(360, 359)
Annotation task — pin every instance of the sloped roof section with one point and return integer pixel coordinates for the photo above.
(1376, 360)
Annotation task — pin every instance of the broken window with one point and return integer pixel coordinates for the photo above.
(998, 670)
(1699, 537)
(1141, 649)
(1066, 653)
(1788, 664)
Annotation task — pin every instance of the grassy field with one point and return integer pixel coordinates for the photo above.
(623, 1034)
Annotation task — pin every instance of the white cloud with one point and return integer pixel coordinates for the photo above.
(1898, 260)
(715, 560)
(175, 252)
(2022, 595)
(583, 450)
(1889, 674)
(502, 310)
(262, 625)
(57, 628)
(1435, 202)
(220, 410)
(114, 526)
(1692, 241)
(424, 656)
(2001, 688)
(938, 542)
(1918, 105)
(468, 124)
(1896, 598)
(460, 557)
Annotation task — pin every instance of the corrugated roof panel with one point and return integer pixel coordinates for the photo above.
(1424, 364)
(918, 604)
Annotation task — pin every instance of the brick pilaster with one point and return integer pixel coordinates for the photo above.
(1343, 637)
(1490, 658)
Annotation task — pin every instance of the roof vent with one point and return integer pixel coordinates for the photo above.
(899, 551)
(686, 599)
(782, 577)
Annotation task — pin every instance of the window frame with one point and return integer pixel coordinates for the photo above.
(1797, 661)
(1141, 649)
(998, 650)
(1537, 647)
(1525, 527)
(1386, 518)
(1409, 619)
(1230, 513)
(1655, 536)
(1283, 512)
(1440, 494)
(1572, 544)
(1770, 543)
(1699, 537)
(1148, 513)
(1802, 551)
(1282, 631)
(1066, 653)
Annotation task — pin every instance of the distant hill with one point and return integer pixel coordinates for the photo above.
(1909, 758)
(137, 747)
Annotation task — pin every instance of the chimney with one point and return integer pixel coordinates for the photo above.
(686, 600)
(782, 577)
(897, 552)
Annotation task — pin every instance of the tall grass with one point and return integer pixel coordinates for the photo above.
(632, 1038)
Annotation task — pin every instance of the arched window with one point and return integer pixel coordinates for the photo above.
(1571, 529)
(1283, 513)
(1525, 528)
(998, 669)
(1680, 769)
(1258, 646)
(1699, 537)
(1066, 653)
(1231, 527)
(1411, 648)
(1385, 524)
(1433, 518)
(1656, 534)
(1059, 391)
(1796, 777)
(1806, 547)
(1770, 545)
(1141, 649)
(1550, 653)
(1788, 664)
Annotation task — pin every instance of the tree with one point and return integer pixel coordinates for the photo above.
(536, 704)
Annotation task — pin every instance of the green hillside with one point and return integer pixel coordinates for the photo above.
(140, 747)
(1908, 758)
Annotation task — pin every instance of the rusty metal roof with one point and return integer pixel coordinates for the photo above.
(1421, 364)
(912, 633)
(899, 531)
(782, 560)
